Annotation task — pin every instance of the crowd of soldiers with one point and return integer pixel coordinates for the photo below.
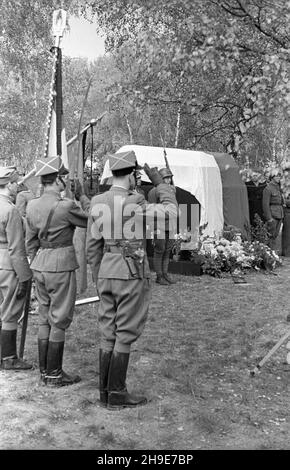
(36, 241)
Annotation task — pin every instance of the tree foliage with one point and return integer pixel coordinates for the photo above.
(203, 74)
(25, 61)
(215, 68)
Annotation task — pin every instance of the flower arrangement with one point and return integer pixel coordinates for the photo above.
(259, 231)
(229, 253)
(179, 238)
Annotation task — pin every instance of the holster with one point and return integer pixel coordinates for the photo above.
(132, 265)
(133, 255)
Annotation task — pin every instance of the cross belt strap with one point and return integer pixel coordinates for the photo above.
(46, 227)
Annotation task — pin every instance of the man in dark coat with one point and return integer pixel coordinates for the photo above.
(120, 268)
(51, 221)
(14, 270)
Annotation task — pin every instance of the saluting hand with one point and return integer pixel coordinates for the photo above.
(153, 174)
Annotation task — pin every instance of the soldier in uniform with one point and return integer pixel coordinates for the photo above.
(273, 206)
(24, 195)
(14, 270)
(51, 221)
(162, 247)
(121, 271)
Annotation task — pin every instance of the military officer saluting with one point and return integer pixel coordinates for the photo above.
(121, 271)
(51, 221)
(14, 270)
(24, 195)
(162, 246)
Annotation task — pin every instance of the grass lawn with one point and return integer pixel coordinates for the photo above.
(202, 337)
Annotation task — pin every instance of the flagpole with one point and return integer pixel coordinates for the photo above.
(93, 122)
(58, 26)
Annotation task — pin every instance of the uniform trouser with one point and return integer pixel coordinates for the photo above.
(11, 308)
(123, 311)
(56, 295)
(273, 229)
(162, 250)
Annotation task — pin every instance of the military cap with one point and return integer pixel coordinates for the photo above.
(8, 174)
(165, 172)
(123, 160)
(49, 166)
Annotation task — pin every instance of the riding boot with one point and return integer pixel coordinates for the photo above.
(104, 361)
(118, 396)
(157, 261)
(56, 377)
(10, 360)
(42, 357)
(165, 264)
(160, 279)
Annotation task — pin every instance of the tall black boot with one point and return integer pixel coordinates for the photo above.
(157, 263)
(55, 376)
(118, 396)
(165, 264)
(42, 357)
(10, 360)
(104, 361)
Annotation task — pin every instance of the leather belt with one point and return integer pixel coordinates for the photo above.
(113, 249)
(54, 245)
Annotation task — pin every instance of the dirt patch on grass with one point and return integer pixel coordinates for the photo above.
(202, 337)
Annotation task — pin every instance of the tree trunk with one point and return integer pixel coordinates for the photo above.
(177, 126)
(129, 129)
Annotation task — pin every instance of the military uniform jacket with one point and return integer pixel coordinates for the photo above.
(67, 215)
(153, 195)
(22, 200)
(12, 247)
(112, 264)
(154, 198)
(273, 201)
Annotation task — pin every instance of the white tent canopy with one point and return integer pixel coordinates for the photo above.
(195, 172)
